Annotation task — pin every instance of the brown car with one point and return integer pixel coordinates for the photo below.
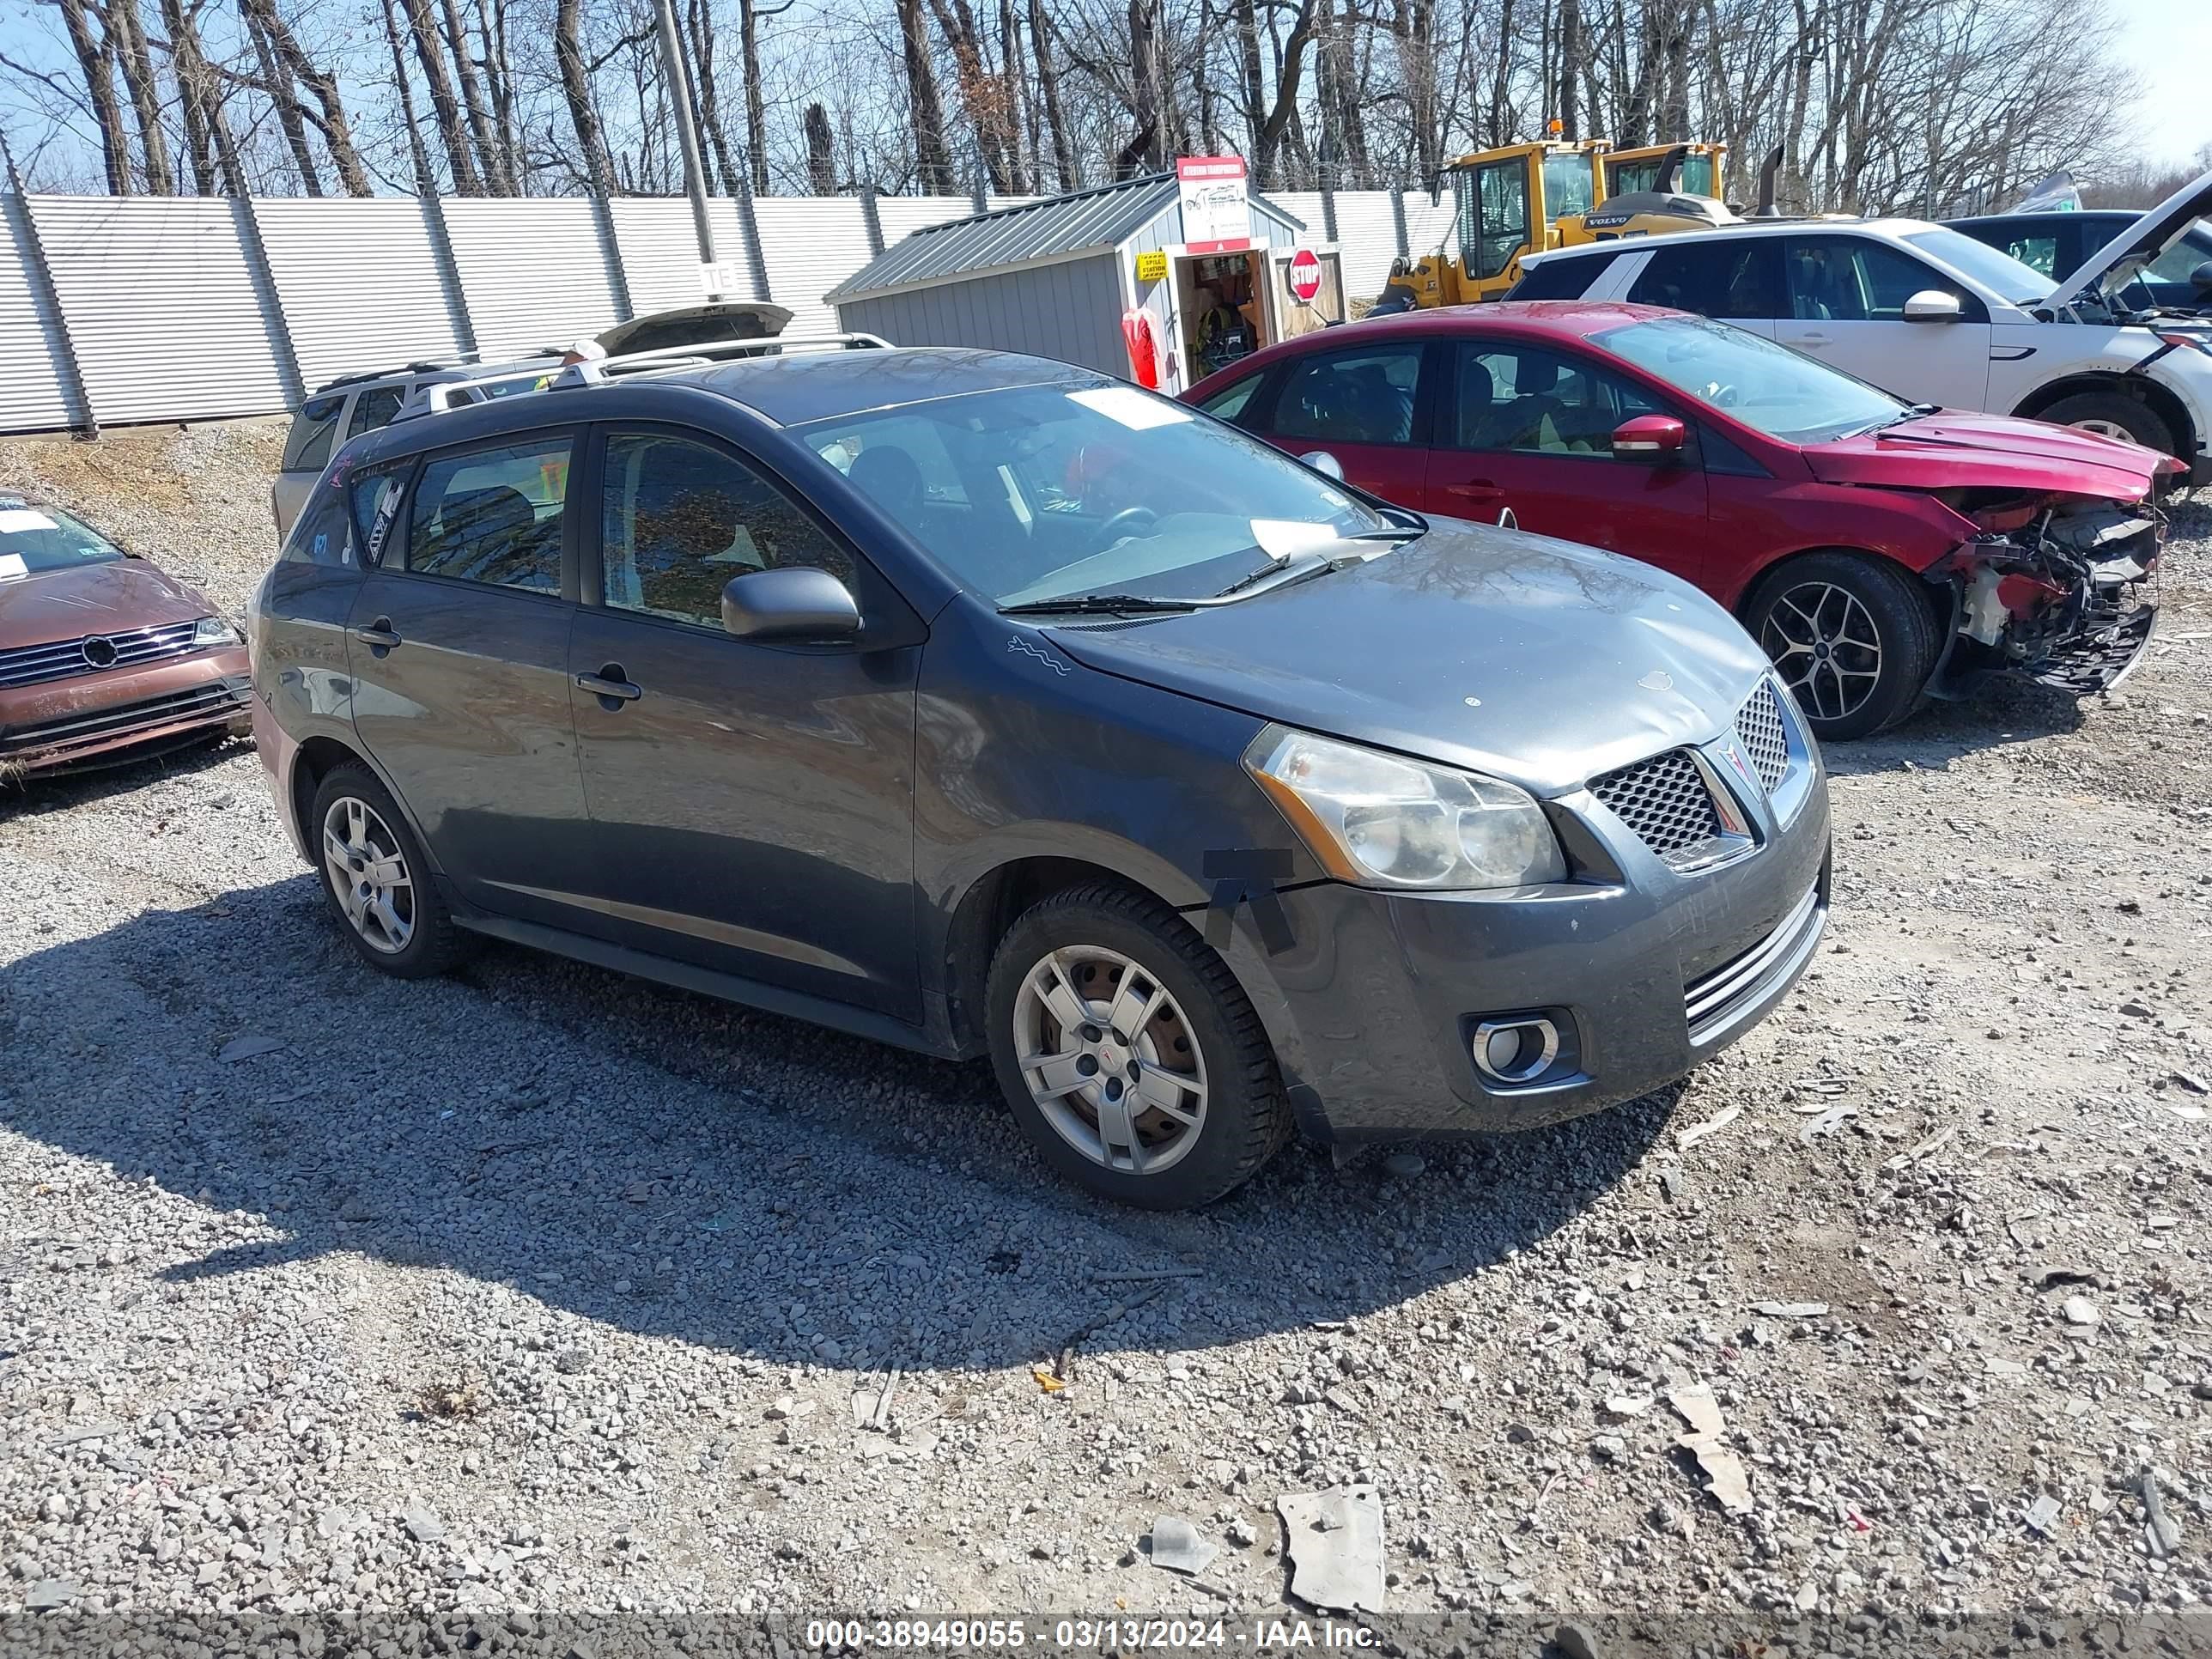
(103, 657)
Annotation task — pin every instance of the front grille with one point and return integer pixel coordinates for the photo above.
(121, 719)
(1663, 800)
(134, 647)
(1710, 1000)
(1759, 728)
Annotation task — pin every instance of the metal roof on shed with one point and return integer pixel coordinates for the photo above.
(1053, 228)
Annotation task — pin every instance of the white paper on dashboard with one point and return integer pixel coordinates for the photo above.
(1279, 538)
(11, 564)
(23, 518)
(1130, 407)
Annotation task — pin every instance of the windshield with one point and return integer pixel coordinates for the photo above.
(1768, 388)
(34, 540)
(1049, 492)
(1993, 268)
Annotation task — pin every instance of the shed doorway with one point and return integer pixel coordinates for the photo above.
(1221, 299)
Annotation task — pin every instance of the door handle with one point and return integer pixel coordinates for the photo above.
(611, 685)
(1476, 490)
(1810, 339)
(377, 636)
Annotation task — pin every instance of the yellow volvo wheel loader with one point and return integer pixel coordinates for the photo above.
(1527, 199)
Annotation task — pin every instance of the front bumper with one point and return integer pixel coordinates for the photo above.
(1372, 1005)
(93, 719)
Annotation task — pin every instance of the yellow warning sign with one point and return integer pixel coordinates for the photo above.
(1152, 267)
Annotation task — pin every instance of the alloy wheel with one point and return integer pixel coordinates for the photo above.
(1825, 645)
(2104, 429)
(368, 874)
(1109, 1060)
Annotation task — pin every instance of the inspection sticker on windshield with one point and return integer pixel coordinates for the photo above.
(1130, 407)
(11, 564)
(13, 519)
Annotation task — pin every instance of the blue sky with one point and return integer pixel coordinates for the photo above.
(2169, 43)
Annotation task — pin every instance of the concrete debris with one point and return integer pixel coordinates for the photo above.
(1790, 1310)
(2195, 1085)
(2161, 1532)
(246, 1048)
(1176, 1546)
(1623, 1406)
(107, 1429)
(1335, 1543)
(1712, 1125)
(1830, 1119)
(422, 1523)
(2043, 1514)
(1942, 1138)
(2079, 1310)
(1729, 1484)
(51, 1593)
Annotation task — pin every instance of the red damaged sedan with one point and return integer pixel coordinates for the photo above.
(1877, 549)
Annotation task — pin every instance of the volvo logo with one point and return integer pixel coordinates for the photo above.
(98, 651)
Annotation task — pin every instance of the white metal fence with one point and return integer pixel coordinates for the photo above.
(171, 309)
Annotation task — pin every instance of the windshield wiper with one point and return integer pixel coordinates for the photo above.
(1296, 569)
(1078, 604)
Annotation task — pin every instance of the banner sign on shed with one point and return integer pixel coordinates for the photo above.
(1215, 216)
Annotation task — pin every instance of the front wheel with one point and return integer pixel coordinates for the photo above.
(1130, 1056)
(1850, 635)
(2111, 415)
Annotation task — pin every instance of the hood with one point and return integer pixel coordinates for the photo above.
(1534, 660)
(2116, 263)
(110, 597)
(1954, 450)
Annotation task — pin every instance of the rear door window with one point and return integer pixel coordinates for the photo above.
(1562, 279)
(1351, 397)
(493, 515)
(307, 445)
(1230, 402)
(1736, 278)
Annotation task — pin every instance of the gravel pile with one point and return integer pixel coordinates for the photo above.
(539, 1294)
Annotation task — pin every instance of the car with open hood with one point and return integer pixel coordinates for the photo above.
(2057, 243)
(1879, 549)
(1937, 317)
(992, 707)
(104, 656)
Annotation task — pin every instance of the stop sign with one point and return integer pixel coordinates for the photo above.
(1304, 275)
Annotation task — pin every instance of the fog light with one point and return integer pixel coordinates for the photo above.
(1515, 1051)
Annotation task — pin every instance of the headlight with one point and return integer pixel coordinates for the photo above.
(212, 631)
(1382, 821)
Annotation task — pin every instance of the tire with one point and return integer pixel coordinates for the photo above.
(1864, 626)
(1205, 1032)
(2115, 416)
(410, 933)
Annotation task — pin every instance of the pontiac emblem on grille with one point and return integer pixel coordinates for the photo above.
(98, 651)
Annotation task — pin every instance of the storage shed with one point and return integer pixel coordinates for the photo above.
(1209, 269)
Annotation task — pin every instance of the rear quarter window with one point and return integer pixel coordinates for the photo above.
(307, 445)
(1560, 279)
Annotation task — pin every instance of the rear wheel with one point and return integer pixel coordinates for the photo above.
(1850, 635)
(376, 879)
(2113, 416)
(1130, 1056)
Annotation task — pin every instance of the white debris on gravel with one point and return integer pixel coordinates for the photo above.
(540, 1288)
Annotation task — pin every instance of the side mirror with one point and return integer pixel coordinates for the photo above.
(2200, 280)
(1321, 461)
(1933, 305)
(1655, 438)
(798, 603)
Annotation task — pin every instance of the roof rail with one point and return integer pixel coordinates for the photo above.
(595, 370)
(440, 395)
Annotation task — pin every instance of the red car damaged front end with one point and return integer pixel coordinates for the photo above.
(2053, 534)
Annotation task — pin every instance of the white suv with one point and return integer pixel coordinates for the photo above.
(1936, 317)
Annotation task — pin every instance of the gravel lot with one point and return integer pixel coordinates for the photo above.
(541, 1291)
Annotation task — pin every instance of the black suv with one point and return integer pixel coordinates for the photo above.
(984, 705)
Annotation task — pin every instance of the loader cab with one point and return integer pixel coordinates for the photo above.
(1630, 172)
(1509, 202)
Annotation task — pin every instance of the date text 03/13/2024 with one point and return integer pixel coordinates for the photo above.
(1080, 1633)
